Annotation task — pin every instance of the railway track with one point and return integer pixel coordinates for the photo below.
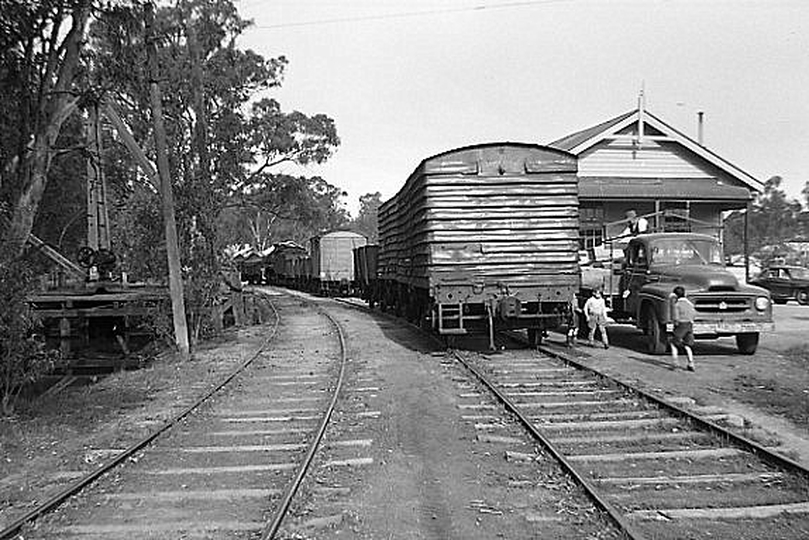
(660, 471)
(228, 465)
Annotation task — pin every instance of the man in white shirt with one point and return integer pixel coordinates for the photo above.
(636, 225)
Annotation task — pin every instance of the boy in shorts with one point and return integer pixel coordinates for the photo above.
(683, 313)
(595, 309)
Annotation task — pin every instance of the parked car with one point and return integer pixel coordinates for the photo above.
(785, 283)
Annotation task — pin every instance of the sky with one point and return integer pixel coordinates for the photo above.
(408, 79)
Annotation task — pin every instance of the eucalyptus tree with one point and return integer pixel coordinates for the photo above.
(284, 207)
(773, 219)
(42, 80)
(226, 135)
(41, 45)
(367, 221)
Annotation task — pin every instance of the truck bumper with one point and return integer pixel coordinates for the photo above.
(729, 328)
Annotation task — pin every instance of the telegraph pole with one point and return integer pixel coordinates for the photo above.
(167, 195)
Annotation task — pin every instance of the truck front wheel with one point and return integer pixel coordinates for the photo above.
(656, 334)
(747, 343)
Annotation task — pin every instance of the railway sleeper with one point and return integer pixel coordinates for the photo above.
(704, 495)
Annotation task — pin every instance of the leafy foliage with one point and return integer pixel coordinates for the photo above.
(40, 49)
(224, 137)
(23, 357)
(284, 208)
(366, 221)
(773, 221)
(223, 147)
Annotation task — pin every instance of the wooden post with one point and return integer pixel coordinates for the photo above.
(98, 234)
(64, 337)
(161, 148)
(657, 225)
(218, 315)
(747, 243)
(238, 308)
(92, 179)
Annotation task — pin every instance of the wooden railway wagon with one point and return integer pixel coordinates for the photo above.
(483, 237)
(365, 271)
(333, 261)
(253, 269)
(289, 263)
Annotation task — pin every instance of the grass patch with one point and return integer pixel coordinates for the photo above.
(789, 399)
(798, 354)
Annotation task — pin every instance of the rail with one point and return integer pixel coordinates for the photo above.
(271, 529)
(629, 530)
(58, 499)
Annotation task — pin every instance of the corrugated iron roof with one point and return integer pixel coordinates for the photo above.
(582, 140)
(575, 139)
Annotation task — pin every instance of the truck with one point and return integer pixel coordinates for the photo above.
(639, 290)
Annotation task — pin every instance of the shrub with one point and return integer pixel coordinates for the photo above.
(23, 356)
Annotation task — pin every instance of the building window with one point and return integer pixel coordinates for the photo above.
(676, 216)
(592, 215)
(590, 237)
(591, 228)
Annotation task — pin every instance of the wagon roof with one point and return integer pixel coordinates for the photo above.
(340, 234)
(460, 160)
(288, 244)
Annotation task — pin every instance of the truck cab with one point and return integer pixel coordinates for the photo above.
(654, 264)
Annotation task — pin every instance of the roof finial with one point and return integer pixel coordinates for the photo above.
(641, 107)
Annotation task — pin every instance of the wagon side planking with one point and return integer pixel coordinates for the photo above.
(483, 238)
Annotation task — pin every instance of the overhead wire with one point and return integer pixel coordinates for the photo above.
(408, 14)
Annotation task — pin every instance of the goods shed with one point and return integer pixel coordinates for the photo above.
(638, 161)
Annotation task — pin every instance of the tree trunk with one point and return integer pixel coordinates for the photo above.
(56, 104)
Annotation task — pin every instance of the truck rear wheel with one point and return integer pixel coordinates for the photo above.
(656, 334)
(747, 343)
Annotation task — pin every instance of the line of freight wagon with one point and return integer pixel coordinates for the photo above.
(326, 268)
(486, 238)
(479, 239)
